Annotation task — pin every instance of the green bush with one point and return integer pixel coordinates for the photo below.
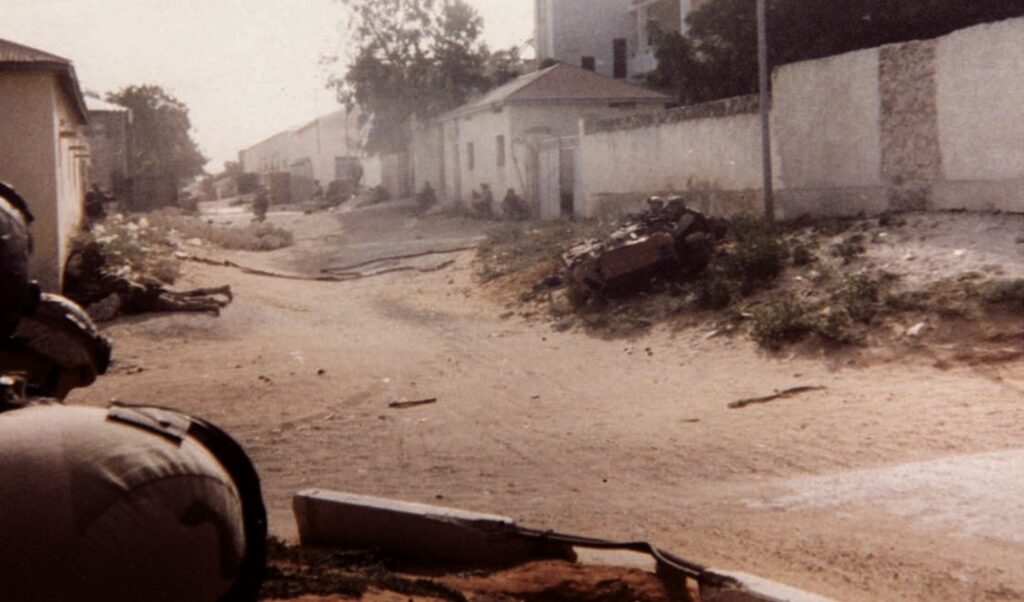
(860, 297)
(132, 248)
(1003, 292)
(781, 322)
(849, 248)
(835, 326)
(759, 255)
(713, 291)
(802, 255)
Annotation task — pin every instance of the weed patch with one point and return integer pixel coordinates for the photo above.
(781, 322)
(132, 248)
(757, 257)
(252, 237)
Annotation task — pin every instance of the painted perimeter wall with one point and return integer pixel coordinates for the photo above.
(935, 124)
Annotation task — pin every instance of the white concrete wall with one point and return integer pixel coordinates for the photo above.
(44, 167)
(980, 97)
(826, 134)
(851, 133)
(825, 119)
(72, 157)
(427, 152)
(624, 166)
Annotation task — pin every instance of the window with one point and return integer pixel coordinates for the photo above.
(588, 63)
(619, 52)
(470, 159)
(499, 143)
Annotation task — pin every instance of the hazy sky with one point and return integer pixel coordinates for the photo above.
(246, 68)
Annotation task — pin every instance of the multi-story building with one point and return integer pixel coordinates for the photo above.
(617, 38)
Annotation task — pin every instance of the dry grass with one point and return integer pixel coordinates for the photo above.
(252, 237)
(788, 282)
(133, 248)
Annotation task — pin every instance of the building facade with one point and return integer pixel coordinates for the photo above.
(43, 150)
(617, 38)
(322, 150)
(498, 140)
(107, 134)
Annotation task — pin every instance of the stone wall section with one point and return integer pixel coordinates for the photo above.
(911, 152)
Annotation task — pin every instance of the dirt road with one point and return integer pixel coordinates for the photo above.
(898, 481)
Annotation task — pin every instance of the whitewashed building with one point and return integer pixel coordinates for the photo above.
(617, 38)
(501, 139)
(44, 154)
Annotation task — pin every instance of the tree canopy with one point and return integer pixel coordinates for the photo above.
(717, 57)
(162, 143)
(415, 58)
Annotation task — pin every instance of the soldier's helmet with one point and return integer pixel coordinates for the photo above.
(18, 294)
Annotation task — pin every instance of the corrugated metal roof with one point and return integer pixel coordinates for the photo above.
(11, 52)
(14, 56)
(561, 83)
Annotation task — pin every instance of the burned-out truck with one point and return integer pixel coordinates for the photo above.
(668, 240)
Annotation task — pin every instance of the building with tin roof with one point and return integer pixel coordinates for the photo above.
(43, 150)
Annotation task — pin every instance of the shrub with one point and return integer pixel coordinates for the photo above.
(758, 256)
(713, 291)
(132, 248)
(781, 322)
(1003, 292)
(835, 326)
(252, 237)
(849, 248)
(860, 297)
(802, 255)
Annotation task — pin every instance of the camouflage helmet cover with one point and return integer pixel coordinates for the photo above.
(17, 292)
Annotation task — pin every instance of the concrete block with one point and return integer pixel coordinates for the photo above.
(756, 589)
(415, 531)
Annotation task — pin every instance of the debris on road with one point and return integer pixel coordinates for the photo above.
(389, 258)
(401, 405)
(669, 239)
(787, 393)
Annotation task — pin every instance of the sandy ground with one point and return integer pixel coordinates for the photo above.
(898, 481)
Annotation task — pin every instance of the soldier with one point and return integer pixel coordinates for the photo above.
(95, 203)
(18, 295)
(117, 504)
(261, 204)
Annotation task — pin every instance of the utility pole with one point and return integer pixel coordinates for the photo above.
(766, 140)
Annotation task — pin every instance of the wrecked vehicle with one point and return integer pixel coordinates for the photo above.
(668, 240)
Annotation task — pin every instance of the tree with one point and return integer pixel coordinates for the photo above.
(232, 168)
(717, 57)
(162, 144)
(414, 58)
